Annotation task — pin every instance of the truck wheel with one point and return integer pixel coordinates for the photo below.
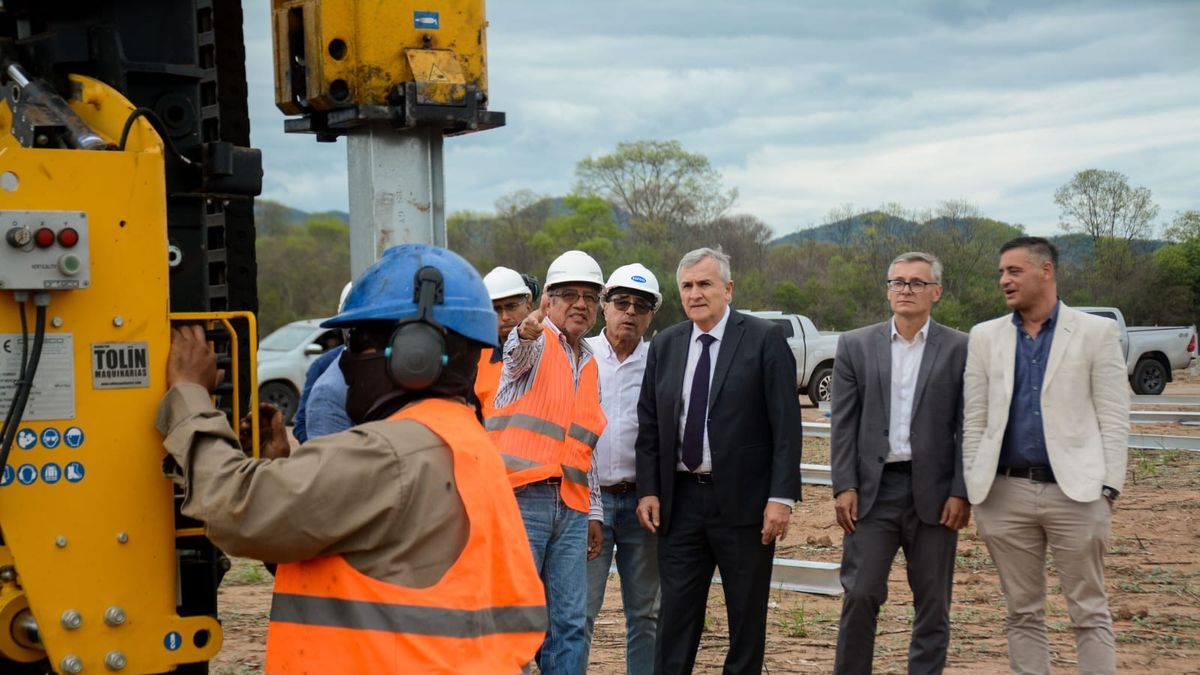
(282, 396)
(819, 385)
(1149, 377)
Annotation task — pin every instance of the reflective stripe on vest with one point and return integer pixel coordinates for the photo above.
(485, 616)
(413, 619)
(514, 464)
(543, 427)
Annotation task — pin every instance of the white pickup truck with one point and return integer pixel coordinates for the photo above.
(813, 350)
(1151, 352)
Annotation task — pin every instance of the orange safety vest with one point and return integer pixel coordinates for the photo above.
(552, 430)
(487, 382)
(486, 615)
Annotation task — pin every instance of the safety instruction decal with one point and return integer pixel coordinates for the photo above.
(173, 641)
(74, 472)
(73, 437)
(53, 393)
(8, 476)
(51, 473)
(50, 438)
(27, 474)
(426, 20)
(26, 439)
(120, 365)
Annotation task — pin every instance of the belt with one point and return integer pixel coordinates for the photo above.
(901, 467)
(701, 478)
(619, 488)
(1037, 474)
(553, 480)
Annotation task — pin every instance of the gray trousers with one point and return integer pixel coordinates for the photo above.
(867, 554)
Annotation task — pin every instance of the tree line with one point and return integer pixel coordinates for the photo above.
(652, 201)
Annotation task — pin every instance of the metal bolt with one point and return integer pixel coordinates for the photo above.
(60, 541)
(42, 139)
(8, 573)
(71, 664)
(118, 321)
(122, 538)
(57, 322)
(114, 661)
(72, 619)
(114, 616)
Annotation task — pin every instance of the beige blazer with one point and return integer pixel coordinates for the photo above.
(1085, 404)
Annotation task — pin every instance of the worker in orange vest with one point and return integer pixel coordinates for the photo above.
(512, 299)
(546, 423)
(401, 547)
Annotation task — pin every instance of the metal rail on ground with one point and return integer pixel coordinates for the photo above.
(805, 576)
(1180, 401)
(1153, 442)
(1187, 417)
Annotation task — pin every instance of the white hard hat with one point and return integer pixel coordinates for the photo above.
(635, 277)
(342, 299)
(574, 266)
(503, 282)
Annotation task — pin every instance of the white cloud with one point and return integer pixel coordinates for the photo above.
(805, 106)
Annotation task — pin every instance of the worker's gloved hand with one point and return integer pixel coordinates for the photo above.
(273, 442)
(190, 360)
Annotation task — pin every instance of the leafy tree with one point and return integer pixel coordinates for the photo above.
(657, 182)
(301, 272)
(1104, 204)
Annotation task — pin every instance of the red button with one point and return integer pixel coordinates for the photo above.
(44, 237)
(68, 237)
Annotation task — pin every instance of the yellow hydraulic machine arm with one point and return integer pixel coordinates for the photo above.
(394, 78)
(88, 568)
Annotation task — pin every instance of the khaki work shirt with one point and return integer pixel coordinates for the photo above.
(382, 494)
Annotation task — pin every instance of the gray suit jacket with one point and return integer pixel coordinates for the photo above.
(861, 407)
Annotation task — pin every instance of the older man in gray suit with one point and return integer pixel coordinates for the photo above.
(897, 465)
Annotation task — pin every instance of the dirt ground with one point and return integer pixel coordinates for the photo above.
(1153, 574)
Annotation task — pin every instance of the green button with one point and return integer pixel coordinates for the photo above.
(69, 264)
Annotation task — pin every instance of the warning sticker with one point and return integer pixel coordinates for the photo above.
(120, 365)
(53, 393)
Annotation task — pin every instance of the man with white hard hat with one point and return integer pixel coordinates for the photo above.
(546, 423)
(631, 297)
(512, 300)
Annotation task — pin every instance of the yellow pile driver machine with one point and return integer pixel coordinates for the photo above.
(126, 202)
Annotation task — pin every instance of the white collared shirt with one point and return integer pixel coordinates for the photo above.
(689, 374)
(620, 386)
(906, 365)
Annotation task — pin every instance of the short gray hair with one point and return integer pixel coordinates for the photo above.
(695, 257)
(919, 256)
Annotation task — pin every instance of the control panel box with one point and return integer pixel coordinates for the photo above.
(44, 250)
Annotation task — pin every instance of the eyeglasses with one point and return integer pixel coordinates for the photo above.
(571, 297)
(916, 287)
(511, 306)
(639, 307)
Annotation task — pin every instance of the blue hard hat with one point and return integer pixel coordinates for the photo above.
(385, 293)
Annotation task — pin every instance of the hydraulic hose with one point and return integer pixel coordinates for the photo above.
(25, 384)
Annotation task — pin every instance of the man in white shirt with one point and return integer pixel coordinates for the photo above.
(896, 460)
(631, 298)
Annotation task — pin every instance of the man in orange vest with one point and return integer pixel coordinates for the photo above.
(400, 544)
(546, 423)
(512, 299)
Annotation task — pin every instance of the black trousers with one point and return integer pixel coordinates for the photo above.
(696, 542)
(867, 555)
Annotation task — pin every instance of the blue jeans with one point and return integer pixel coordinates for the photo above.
(637, 565)
(558, 537)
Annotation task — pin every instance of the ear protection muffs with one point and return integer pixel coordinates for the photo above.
(416, 352)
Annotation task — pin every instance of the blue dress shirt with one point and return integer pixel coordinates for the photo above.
(1024, 438)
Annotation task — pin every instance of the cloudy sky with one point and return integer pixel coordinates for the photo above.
(806, 106)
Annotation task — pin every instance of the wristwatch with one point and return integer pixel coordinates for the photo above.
(1111, 494)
